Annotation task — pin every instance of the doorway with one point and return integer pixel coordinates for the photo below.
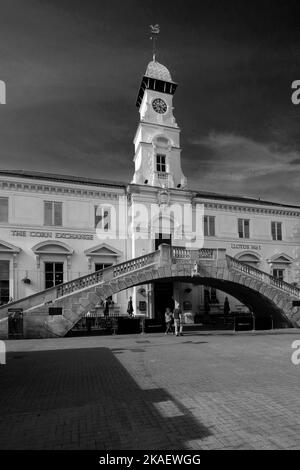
(163, 293)
(163, 290)
(162, 238)
(15, 323)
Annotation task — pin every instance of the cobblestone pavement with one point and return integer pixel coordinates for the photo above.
(199, 391)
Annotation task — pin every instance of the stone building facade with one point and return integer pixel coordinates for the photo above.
(55, 228)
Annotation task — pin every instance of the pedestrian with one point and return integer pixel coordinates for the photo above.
(178, 320)
(106, 308)
(168, 320)
(226, 306)
(88, 322)
(130, 307)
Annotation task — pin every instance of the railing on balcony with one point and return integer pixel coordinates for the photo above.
(201, 254)
(262, 276)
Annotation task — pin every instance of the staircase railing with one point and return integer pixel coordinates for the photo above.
(106, 274)
(262, 276)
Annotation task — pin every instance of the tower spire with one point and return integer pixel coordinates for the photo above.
(154, 30)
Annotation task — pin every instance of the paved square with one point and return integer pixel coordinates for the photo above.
(199, 391)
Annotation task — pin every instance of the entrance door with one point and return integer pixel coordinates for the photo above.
(163, 293)
(163, 290)
(54, 274)
(4, 282)
(162, 238)
(15, 323)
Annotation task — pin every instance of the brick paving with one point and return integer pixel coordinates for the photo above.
(199, 391)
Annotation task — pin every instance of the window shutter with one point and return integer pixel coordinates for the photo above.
(212, 226)
(47, 213)
(240, 228)
(57, 213)
(3, 209)
(273, 229)
(279, 231)
(246, 227)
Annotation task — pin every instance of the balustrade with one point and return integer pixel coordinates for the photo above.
(262, 276)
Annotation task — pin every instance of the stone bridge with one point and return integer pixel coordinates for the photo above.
(262, 293)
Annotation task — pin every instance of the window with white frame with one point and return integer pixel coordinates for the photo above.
(160, 163)
(276, 229)
(102, 218)
(3, 209)
(52, 213)
(209, 226)
(278, 273)
(100, 266)
(244, 228)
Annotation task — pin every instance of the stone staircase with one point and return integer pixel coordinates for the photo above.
(73, 299)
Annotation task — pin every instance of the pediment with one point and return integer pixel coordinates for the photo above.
(280, 258)
(103, 250)
(248, 257)
(52, 247)
(6, 247)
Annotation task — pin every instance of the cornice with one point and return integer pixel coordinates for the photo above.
(45, 188)
(250, 209)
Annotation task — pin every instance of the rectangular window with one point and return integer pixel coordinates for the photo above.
(54, 274)
(209, 226)
(4, 282)
(52, 213)
(244, 228)
(3, 209)
(160, 163)
(99, 266)
(102, 218)
(276, 229)
(279, 273)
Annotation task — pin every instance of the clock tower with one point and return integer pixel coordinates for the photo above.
(157, 139)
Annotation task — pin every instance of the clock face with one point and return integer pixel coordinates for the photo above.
(159, 106)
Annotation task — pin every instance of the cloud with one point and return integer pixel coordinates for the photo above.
(234, 163)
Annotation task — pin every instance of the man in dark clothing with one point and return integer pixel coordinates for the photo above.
(130, 307)
(106, 308)
(226, 306)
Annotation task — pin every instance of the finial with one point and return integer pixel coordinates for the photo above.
(154, 30)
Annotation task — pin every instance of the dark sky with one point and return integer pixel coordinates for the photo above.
(73, 69)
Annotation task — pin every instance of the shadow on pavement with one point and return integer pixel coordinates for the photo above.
(86, 399)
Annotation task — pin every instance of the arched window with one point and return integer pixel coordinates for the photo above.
(250, 258)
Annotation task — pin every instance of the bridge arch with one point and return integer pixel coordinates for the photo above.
(261, 298)
(263, 293)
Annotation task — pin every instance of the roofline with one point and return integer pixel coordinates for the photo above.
(62, 178)
(117, 184)
(241, 199)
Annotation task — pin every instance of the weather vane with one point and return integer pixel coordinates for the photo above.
(154, 30)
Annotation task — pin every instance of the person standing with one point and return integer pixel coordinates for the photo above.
(168, 320)
(178, 319)
(106, 308)
(226, 306)
(130, 307)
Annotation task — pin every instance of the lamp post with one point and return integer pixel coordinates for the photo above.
(253, 321)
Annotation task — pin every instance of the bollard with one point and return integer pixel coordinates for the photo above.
(143, 326)
(2, 353)
(253, 321)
